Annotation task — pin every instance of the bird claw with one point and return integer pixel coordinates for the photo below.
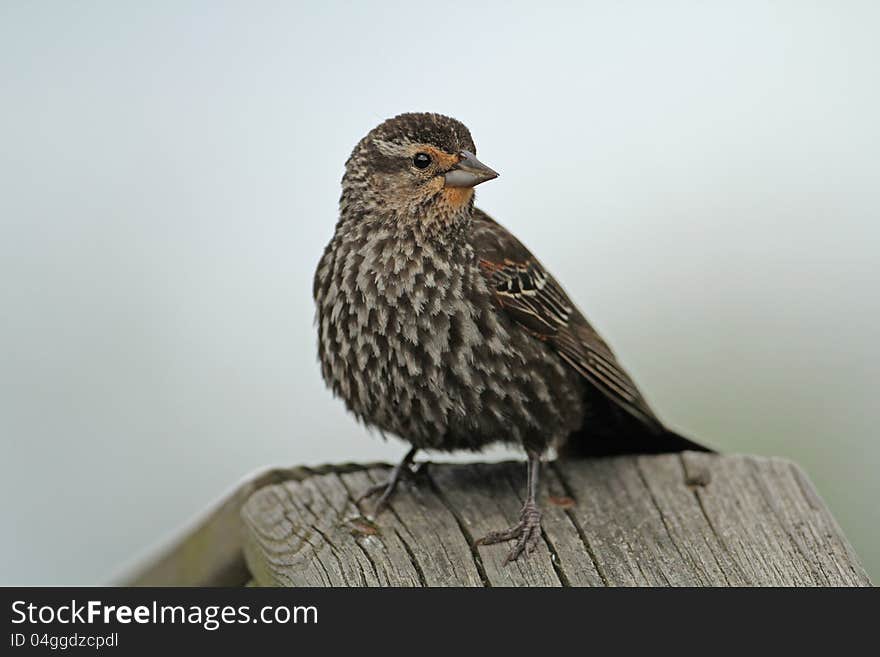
(372, 490)
(386, 487)
(527, 532)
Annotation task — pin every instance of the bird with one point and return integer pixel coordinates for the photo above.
(437, 325)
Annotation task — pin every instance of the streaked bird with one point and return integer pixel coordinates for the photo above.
(437, 325)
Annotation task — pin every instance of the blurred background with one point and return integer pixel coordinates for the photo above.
(702, 179)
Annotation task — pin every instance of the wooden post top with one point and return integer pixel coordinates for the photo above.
(689, 519)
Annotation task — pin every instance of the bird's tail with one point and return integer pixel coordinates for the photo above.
(630, 440)
(608, 431)
(678, 443)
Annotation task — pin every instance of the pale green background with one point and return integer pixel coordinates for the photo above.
(703, 178)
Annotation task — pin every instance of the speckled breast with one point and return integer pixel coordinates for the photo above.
(409, 338)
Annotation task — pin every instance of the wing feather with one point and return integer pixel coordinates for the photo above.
(531, 296)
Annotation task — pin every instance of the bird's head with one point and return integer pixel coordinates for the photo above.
(415, 166)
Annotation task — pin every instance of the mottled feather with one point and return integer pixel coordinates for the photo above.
(533, 298)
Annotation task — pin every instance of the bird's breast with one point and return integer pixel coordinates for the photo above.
(410, 339)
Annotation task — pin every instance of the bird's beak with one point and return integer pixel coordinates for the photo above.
(469, 172)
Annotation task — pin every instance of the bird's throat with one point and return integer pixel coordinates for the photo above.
(450, 208)
(456, 198)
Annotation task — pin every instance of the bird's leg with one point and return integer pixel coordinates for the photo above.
(387, 487)
(528, 530)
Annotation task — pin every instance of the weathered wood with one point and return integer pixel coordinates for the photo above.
(668, 520)
(209, 552)
(671, 520)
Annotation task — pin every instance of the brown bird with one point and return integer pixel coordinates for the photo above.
(438, 325)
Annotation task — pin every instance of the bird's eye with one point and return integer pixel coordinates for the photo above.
(421, 161)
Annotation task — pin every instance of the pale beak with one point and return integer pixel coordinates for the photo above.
(469, 172)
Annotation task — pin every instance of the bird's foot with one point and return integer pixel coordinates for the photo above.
(386, 488)
(527, 533)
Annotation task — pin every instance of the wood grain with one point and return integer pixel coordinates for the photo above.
(668, 520)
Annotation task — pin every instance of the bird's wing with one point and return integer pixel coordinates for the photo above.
(531, 296)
